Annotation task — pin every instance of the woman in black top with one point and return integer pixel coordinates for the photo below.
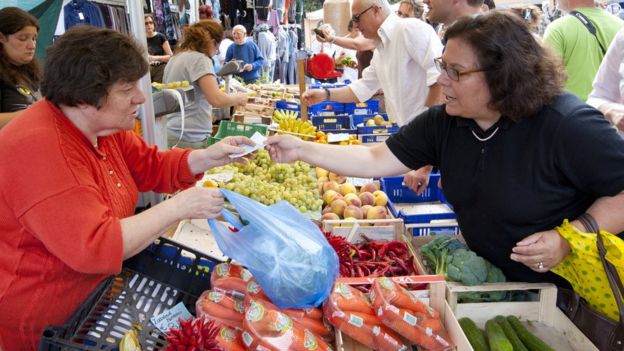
(158, 49)
(19, 69)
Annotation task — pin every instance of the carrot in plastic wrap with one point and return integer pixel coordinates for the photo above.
(231, 285)
(229, 269)
(367, 330)
(317, 326)
(385, 290)
(230, 339)
(220, 308)
(314, 313)
(254, 290)
(347, 298)
(265, 324)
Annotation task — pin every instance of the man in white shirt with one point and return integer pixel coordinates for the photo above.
(402, 63)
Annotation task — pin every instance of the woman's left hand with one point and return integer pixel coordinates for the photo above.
(541, 251)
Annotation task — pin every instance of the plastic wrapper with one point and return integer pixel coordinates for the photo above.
(402, 312)
(230, 339)
(230, 278)
(266, 327)
(223, 309)
(350, 310)
(285, 251)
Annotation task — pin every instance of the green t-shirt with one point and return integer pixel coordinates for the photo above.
(579, 48)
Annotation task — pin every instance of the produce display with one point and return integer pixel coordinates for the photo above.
(171, 85)
(297, 126)
(193, 334)
(269, 183)
(372, 258)
(283, 115)
(502, 333)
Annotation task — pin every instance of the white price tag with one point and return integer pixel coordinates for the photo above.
(81, 16)
(171, 318)
(332, 138)
(258, 139)
(358, 181)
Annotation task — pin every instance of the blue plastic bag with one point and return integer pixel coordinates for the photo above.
(287, 253)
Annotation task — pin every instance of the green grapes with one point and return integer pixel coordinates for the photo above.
(269, 183)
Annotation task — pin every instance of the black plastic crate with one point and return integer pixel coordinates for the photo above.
(150, 283)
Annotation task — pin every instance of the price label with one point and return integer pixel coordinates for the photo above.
(358, 181)
(171, 318)
(333, 138)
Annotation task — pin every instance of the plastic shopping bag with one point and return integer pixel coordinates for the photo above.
(584, 270)
(286, 252)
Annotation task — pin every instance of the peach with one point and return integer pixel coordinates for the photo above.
(353, 211)
(347, 188)
(369, 187)
(337, 178)
(381, 199)
(338, 206)
(329, 196)
(331, 185)
(367, 198)
(329, 216)
(377, 212)
(365, 209)
(321, 172)
(352, 199)
(322, 179)
(326, 209)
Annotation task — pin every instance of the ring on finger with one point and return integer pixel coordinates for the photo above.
(540, 265)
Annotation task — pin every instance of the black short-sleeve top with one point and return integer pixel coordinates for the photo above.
(155, 44)
(16, 97)
(528, 177)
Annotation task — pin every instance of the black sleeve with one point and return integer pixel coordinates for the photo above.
(416, 144)
(590, 152)
(11, 100)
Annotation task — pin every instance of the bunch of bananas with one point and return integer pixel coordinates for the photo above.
(172, 85)
(297, 126)
(282, 115)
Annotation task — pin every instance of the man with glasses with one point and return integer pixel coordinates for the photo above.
(402, 66)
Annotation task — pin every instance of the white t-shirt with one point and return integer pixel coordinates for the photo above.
(225, 44)
(609, 82)
(403, 66)
(190, 66)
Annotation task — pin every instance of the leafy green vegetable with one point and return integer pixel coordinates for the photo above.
(466, 267)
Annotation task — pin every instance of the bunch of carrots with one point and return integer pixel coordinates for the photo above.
(391, 319)
(237, 303)
(372, 258)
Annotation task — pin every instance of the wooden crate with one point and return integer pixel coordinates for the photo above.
(541, 317)
(436, 291)
(354, 229)
(416, 243)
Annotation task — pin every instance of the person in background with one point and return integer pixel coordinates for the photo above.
(411, 9)
(19, 69)
(402, 66)
(581, 51)
(246, 51)
(488, 5)
(608, 88)
(225, 44)
(193, 62)
(445, 12)
(533, 16)
(345, 59)
(72, 170)
(504, 106)
(158, 49)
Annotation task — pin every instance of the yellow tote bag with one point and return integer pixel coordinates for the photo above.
(584, 270)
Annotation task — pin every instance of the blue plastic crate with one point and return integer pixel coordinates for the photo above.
(325, 123)
(369, 107)
(287, 105)
(399, 193)
(372, 134)
(327, 108)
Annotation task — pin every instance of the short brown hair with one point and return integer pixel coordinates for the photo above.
(198, 36)
(522, 75)
(12, 20)
(85, 62)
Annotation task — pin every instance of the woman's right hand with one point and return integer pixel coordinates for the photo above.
(284, 148)
(198, 203)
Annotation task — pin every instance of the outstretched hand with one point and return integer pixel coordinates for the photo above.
(284, 148)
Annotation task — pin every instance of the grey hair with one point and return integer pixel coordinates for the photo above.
(239, 27)
(383, 5)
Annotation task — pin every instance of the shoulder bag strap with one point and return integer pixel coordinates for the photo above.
(590, 27)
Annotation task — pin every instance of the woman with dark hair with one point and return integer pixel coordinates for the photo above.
(518, 154)
(158, 49)
(19, 69)
(72, 170)
(193, 62)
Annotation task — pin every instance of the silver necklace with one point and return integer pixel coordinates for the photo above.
(484, 139)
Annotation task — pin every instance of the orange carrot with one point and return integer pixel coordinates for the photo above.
(305, 340)
(386, 291)
(315, 326)
(228, 269)
(220, 308)
(230, 339)
(314, 313)
(230, 284)
(417, 328)
(348, 299)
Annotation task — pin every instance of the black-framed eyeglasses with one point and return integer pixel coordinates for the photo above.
(451, 72)
(356, 18)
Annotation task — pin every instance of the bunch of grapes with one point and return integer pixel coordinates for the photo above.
(269, 183)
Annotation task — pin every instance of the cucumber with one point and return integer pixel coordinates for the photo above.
(511, 334)
(532, 342)
(474, 334)
(496, 337)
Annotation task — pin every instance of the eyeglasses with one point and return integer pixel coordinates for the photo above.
(451, 72)
(356, 18)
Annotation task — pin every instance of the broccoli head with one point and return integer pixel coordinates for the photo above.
(466, 267)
